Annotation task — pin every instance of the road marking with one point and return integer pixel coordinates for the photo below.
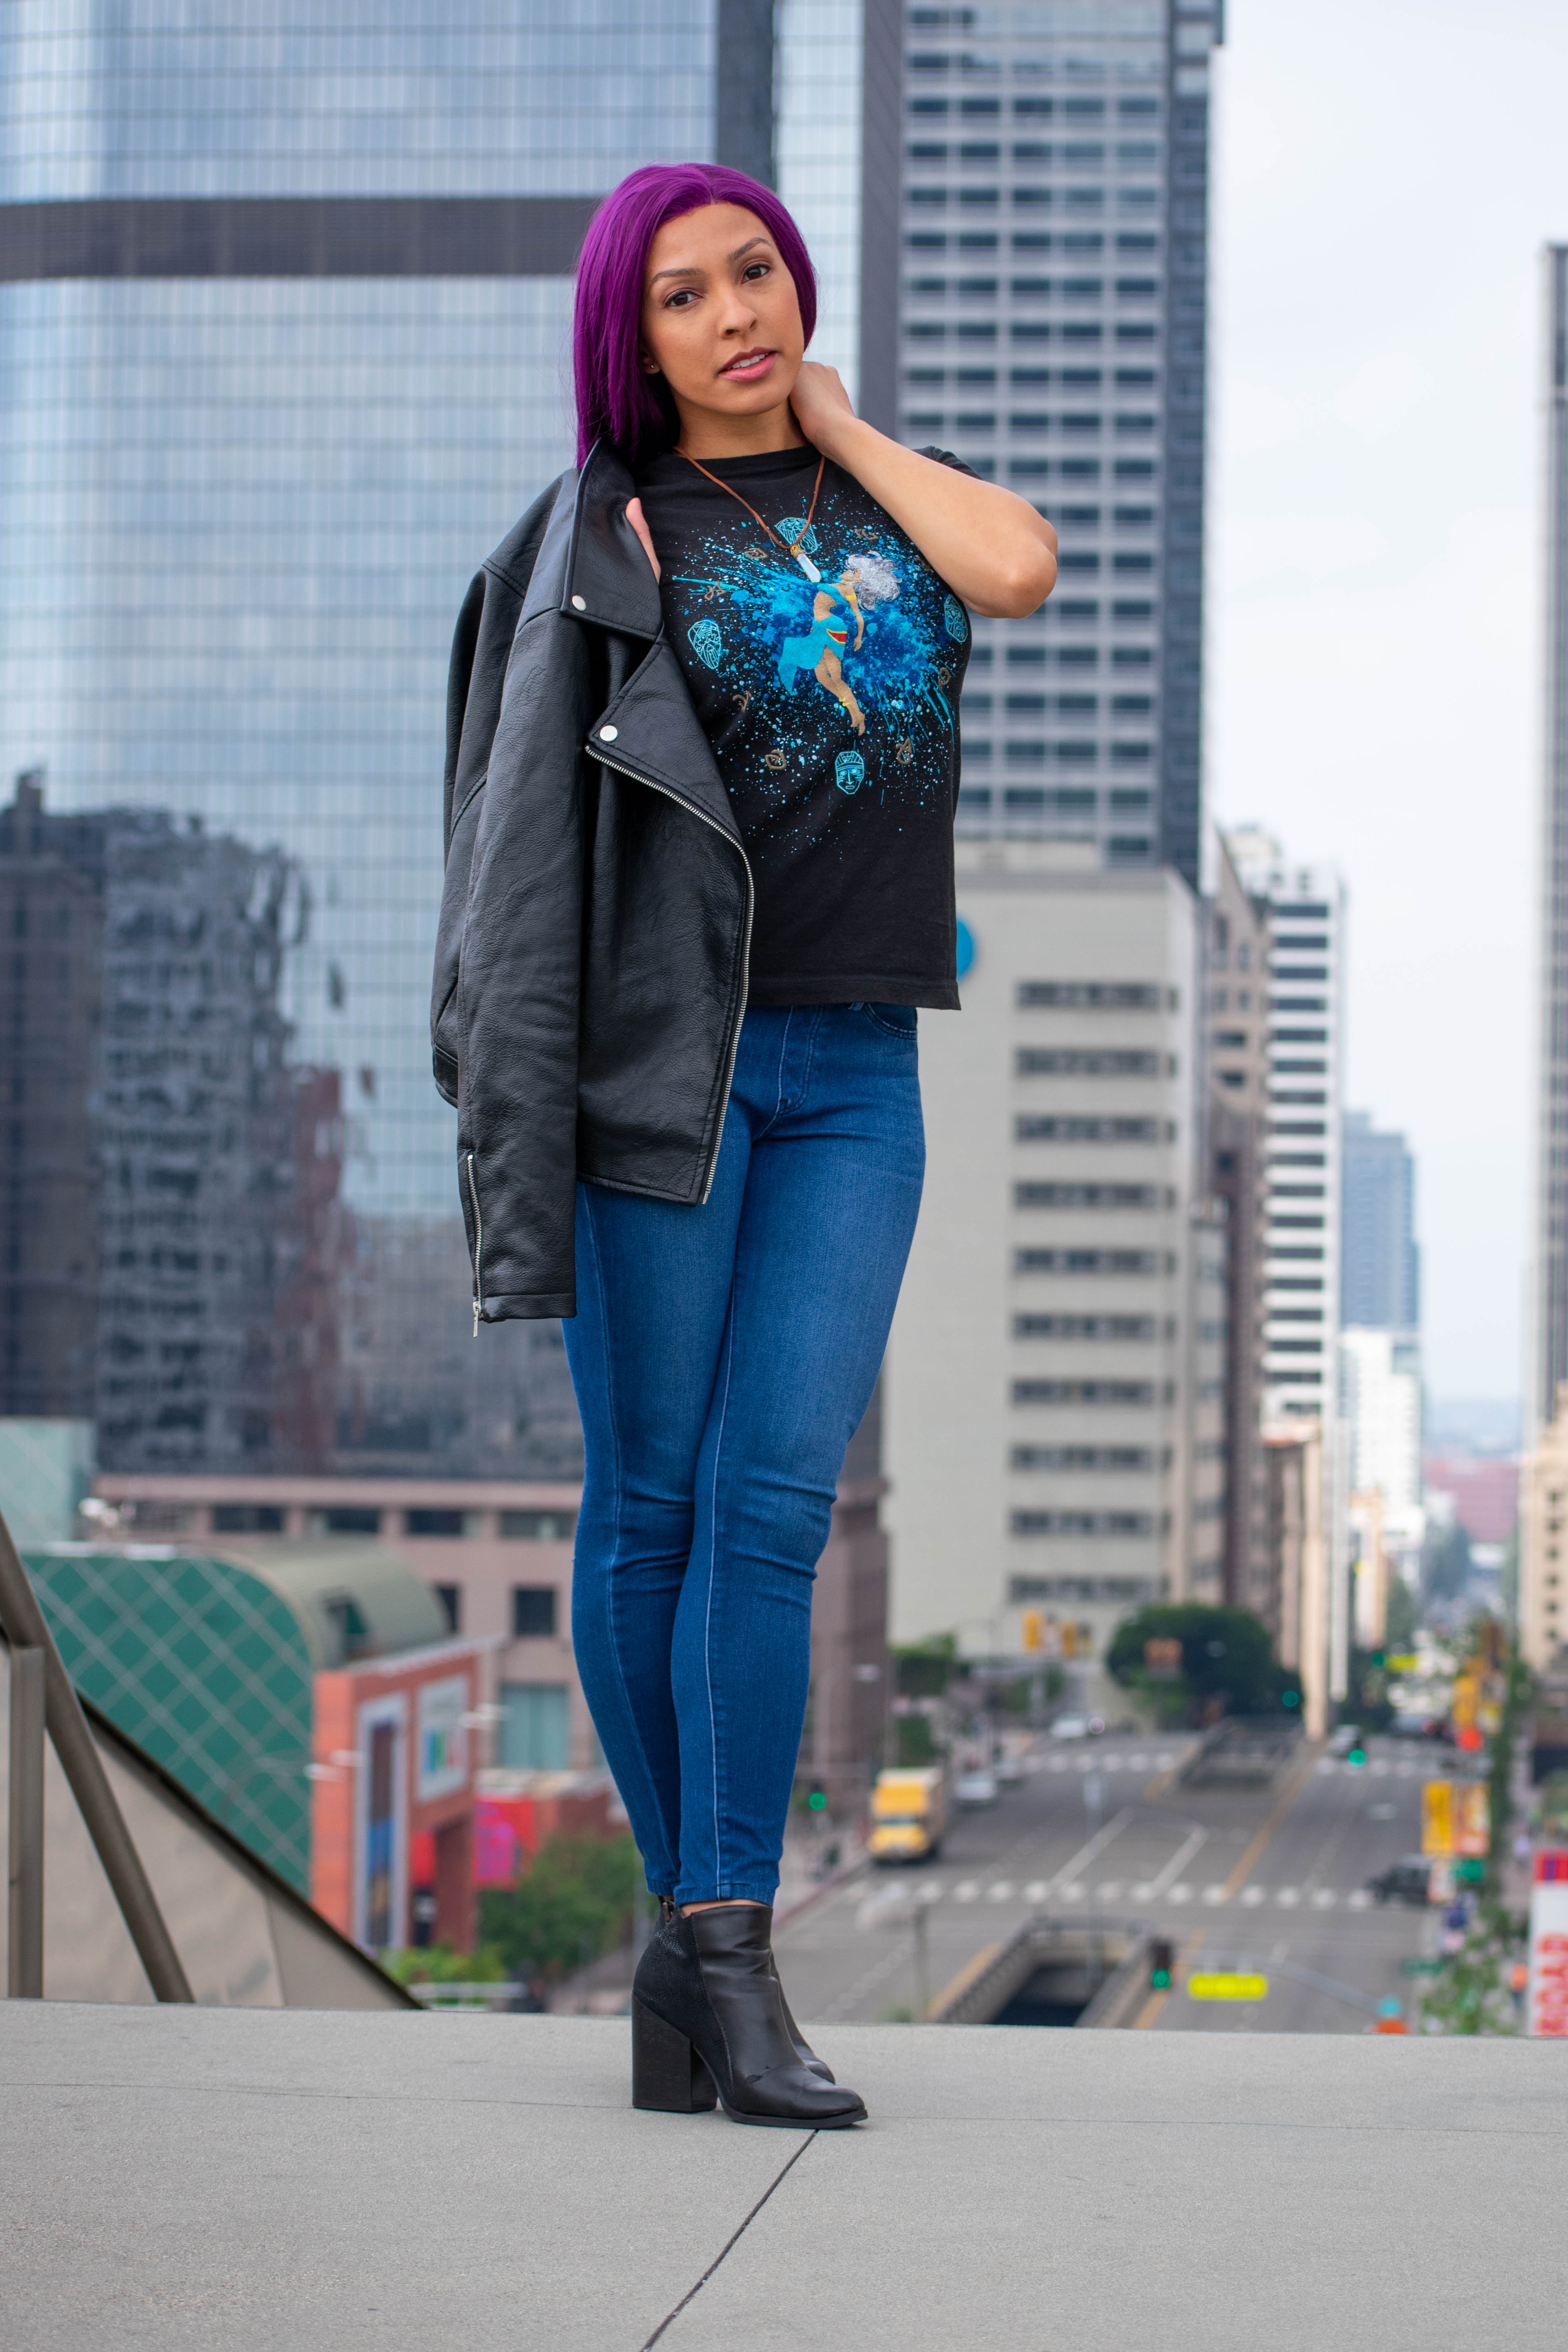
(1261, 1835)
(1058, 1763)
(1035, 1891)
(932, 1892)
(1358, 1900)
(1086, 1854)
(1073, 1893)
(1214, 1895)
(1177, 1862)
(960, 1984)
(1112, 1889)
(1250, 1894)
(1137, 1763)
(1327, 1764)
(1179, 1895)
(1380, 1765)
(1325, 1898)
(1001, 1892)
(1143, 1893)
(967, 1892)
(1287, 1897)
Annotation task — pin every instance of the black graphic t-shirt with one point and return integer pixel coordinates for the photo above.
(828, 690)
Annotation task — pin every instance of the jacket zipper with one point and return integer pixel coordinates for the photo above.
(595, 752)
(479, 1246)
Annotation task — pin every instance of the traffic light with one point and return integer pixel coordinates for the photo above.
(1161, 1960)
(1033, 1630)
(817, 1800)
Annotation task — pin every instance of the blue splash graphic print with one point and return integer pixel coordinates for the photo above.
(830, 691)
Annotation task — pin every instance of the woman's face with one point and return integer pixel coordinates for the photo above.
(720, 318)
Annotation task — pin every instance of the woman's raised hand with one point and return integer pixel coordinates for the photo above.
(635, 518)
(820, 403)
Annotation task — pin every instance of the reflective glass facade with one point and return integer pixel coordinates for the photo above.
(243, 487)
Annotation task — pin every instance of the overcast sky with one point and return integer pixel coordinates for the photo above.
(1387, 172)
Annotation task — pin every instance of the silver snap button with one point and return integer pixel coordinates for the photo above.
(608, 734)
(579, 604)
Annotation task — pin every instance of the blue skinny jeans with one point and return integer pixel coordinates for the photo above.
(722, 1358)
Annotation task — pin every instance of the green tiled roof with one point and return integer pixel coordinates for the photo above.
(205, 1667)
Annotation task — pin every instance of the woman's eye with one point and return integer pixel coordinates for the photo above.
(756, 269)
(680, 299)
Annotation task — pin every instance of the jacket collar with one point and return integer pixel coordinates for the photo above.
(608, 579)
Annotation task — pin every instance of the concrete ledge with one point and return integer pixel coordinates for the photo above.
(303, 2182)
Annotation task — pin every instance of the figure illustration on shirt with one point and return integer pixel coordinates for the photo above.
(867, 580)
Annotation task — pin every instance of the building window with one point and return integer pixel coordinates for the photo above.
(539, 1527)
(534, 1727)
(433, 1523)
(247, 1518)
(348, 1520)
(532, 1613)
(449, 1600)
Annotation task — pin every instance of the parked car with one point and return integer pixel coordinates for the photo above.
(976, 1789)
(1402, 1882)
(1070, 1726)
(1009, 1770)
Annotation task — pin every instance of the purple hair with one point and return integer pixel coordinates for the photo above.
(616, 401)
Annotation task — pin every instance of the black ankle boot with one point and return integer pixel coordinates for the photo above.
(803, 2049)
(667, 1911)
(707, 2004)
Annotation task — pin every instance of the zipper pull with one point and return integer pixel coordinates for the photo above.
(476, 1318)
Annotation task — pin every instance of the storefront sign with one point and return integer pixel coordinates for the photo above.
(1546, 1993)
(442, 1765)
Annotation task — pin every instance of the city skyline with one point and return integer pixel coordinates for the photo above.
(1375, 584)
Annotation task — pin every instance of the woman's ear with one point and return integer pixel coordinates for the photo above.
(647, 362)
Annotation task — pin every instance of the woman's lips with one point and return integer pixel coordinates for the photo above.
(747, 365)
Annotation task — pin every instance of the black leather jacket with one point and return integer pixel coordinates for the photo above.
(595, 921)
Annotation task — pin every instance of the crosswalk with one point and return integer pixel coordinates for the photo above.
(1111, 1760)
(1035, 1891)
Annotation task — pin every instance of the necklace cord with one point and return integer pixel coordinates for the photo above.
(756, 517)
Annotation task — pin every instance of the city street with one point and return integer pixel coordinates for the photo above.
(1266, 1878)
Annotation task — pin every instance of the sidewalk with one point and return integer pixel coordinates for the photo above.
(243, 2180)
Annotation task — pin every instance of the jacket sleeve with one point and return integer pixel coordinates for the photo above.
(519, 983)
(476, 682)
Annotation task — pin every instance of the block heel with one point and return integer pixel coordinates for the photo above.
(667, 2075)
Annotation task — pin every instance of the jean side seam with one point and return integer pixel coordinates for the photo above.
(712, 1569)
(611, 1581)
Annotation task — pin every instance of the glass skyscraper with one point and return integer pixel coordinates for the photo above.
(1380, 1260)
(1053, 256)
(284, 298)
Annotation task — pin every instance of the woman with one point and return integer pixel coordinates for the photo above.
(690, 914)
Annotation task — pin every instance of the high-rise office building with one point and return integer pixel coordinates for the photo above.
(1380, 1261)
(1304, 1008)
(284, 304)
(1055, 1379)
(1051, 331)
(1380, 1352)
(1235, 1150)
(1547, 1345)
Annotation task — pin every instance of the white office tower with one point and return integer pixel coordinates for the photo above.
(1301, 1266)
(1044, 1369)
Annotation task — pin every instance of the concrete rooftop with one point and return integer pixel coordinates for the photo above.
(235, 2180)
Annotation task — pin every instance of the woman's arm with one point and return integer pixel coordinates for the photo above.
(992, 549)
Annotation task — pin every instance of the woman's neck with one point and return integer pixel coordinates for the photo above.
(705, 434)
